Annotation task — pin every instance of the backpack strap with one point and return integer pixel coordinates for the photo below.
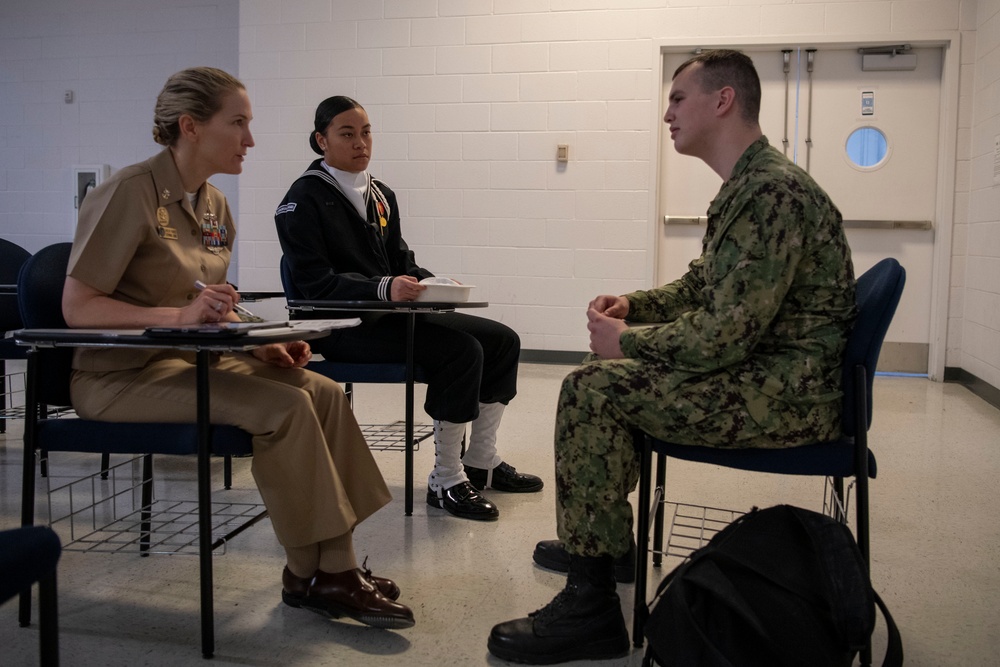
(894, 649)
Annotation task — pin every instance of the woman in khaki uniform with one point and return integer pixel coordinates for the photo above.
(145, 236)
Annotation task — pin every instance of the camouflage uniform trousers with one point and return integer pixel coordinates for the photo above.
(603, 402)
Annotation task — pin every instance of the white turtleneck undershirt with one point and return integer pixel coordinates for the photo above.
(353, 185)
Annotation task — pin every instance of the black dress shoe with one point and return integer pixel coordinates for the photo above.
(463, 501)
(503, 478)
(552, 555)
(349, 594)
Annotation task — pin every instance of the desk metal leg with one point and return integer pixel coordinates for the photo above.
(3, 395)
(146, 513)
(640, 608)
(205, 508)
(28, 470)
(408, 466)
(48, 621)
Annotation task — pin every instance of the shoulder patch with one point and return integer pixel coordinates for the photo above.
(286, 208)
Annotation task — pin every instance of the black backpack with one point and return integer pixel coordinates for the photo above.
(779, 586)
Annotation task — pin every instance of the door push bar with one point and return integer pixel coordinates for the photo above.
(849, 224)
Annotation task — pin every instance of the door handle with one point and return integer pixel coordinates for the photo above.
(888, 224)
(848, 224)
(684, 220)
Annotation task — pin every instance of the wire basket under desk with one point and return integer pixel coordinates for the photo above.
(392, 437)
(93, 514)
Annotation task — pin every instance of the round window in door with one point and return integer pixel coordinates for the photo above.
(867, 148)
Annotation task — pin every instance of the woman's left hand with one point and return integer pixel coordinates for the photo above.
(286, 355)
(405, 288)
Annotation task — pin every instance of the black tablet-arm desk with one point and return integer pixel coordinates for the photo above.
(204, 346)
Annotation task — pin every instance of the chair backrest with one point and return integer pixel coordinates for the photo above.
(291, 292)
(12, 258)
(878, 292)
(39, 296)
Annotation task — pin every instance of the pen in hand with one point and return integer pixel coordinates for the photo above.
(237, 307)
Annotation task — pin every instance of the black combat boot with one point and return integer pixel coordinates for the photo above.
(583, 622)
(552, 555)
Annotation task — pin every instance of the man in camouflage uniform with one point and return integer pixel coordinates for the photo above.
(746, 353)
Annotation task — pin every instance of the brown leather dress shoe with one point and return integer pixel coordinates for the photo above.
(386, 587)
(350, 594)
(296, 587)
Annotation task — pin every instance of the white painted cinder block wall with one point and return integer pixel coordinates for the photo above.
(976, 272)
(114, 55)
(468, 99)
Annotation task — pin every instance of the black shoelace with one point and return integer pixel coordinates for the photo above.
(554, 610)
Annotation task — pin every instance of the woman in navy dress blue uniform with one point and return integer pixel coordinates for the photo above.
(340, 232)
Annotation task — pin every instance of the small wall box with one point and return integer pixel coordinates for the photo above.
(86, 177)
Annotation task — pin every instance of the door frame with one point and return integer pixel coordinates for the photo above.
(950, 43)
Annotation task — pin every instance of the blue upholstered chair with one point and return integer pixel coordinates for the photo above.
(12, 257)
(878, 293)
(29, 555)
(40, 287)
(350, 373)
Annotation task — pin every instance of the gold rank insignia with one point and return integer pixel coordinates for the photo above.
(164, 230)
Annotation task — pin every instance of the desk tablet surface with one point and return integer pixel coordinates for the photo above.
(217, 330)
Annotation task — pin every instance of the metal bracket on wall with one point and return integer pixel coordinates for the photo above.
(810, 60)
(786, 58)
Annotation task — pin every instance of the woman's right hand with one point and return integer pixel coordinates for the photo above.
(214, 303)
(87, 307)
(405, 288)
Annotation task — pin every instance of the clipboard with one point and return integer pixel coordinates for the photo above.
(218, 330)
(235, 330)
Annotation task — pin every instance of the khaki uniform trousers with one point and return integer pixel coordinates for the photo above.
(311, 464)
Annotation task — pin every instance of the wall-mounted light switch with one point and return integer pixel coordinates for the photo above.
(562, 153)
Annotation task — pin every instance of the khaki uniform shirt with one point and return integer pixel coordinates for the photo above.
(125, 226)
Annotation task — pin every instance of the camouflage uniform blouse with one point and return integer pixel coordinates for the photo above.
(770, 300)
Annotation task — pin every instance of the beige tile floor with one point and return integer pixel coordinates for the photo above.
(935, 536)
